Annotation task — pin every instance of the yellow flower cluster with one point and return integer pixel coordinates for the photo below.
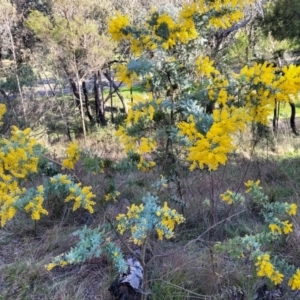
(228, 197)
(125, 76)
(168, 219)
(50, 266)
(250, 184)
(136, 114)
(2, 112)
(59, 260)
(287, 227)
(133, 213)
(63, 179)
(112, 196)
(284, 226)
(145, 165)
(182, 31)
(287, 85)
(82, 197)
(275, 228)
(164, 32)
(266, 269)
(205, 67)
(226, 20)
(212, 149)
(142, 219)
(294, 281)
(142, 144)
(73, 155)
(265, 87)
(129, 142)
(35, 205)
(117, 25)
(227, 12)
(291, 209)
(18, 159)
(146, 145)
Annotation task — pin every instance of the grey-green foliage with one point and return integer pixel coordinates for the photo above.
(88, 245)
(140, 66)
(92, 243)
(203, 120)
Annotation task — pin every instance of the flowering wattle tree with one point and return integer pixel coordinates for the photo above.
(192, 110)
(170, 59)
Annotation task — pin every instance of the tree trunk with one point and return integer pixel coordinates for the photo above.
(275, 116)
(81, 108)
(292, 119)
(16, 71)
(75, 91)
(99, 103)
(87, 103)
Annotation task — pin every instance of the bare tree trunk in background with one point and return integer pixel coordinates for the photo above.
(99, 101)
(81, 103)
(16, 70)
(75, 91)
(292, 119)
(276, 116)
(87, 103)
(108, 72)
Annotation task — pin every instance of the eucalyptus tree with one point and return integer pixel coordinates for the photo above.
(8, 19)
(282, 19)
(74, 38)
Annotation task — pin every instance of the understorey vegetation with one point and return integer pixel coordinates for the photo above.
(161, 159)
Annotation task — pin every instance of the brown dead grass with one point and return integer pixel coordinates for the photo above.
(192, 271)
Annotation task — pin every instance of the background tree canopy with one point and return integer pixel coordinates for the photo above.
(282, 20)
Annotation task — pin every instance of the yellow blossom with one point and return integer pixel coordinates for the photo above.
(50, 266)
(227, 197)
(292, 209)
(287, 227)
(275, 228)
(294, 281)
(116, 26)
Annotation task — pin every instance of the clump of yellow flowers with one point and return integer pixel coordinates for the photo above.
(73, 155)
(274, 214)
(147, 217)
(294, 281)
(182, 82)
(82, 196)
(19, 158)
(266, 269)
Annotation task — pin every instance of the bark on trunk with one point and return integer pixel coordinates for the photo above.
(275, 116)
(292, 120)
(75, 91)
(87, 103)
(99, 103)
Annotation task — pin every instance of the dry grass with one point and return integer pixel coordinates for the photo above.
(194, 272)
